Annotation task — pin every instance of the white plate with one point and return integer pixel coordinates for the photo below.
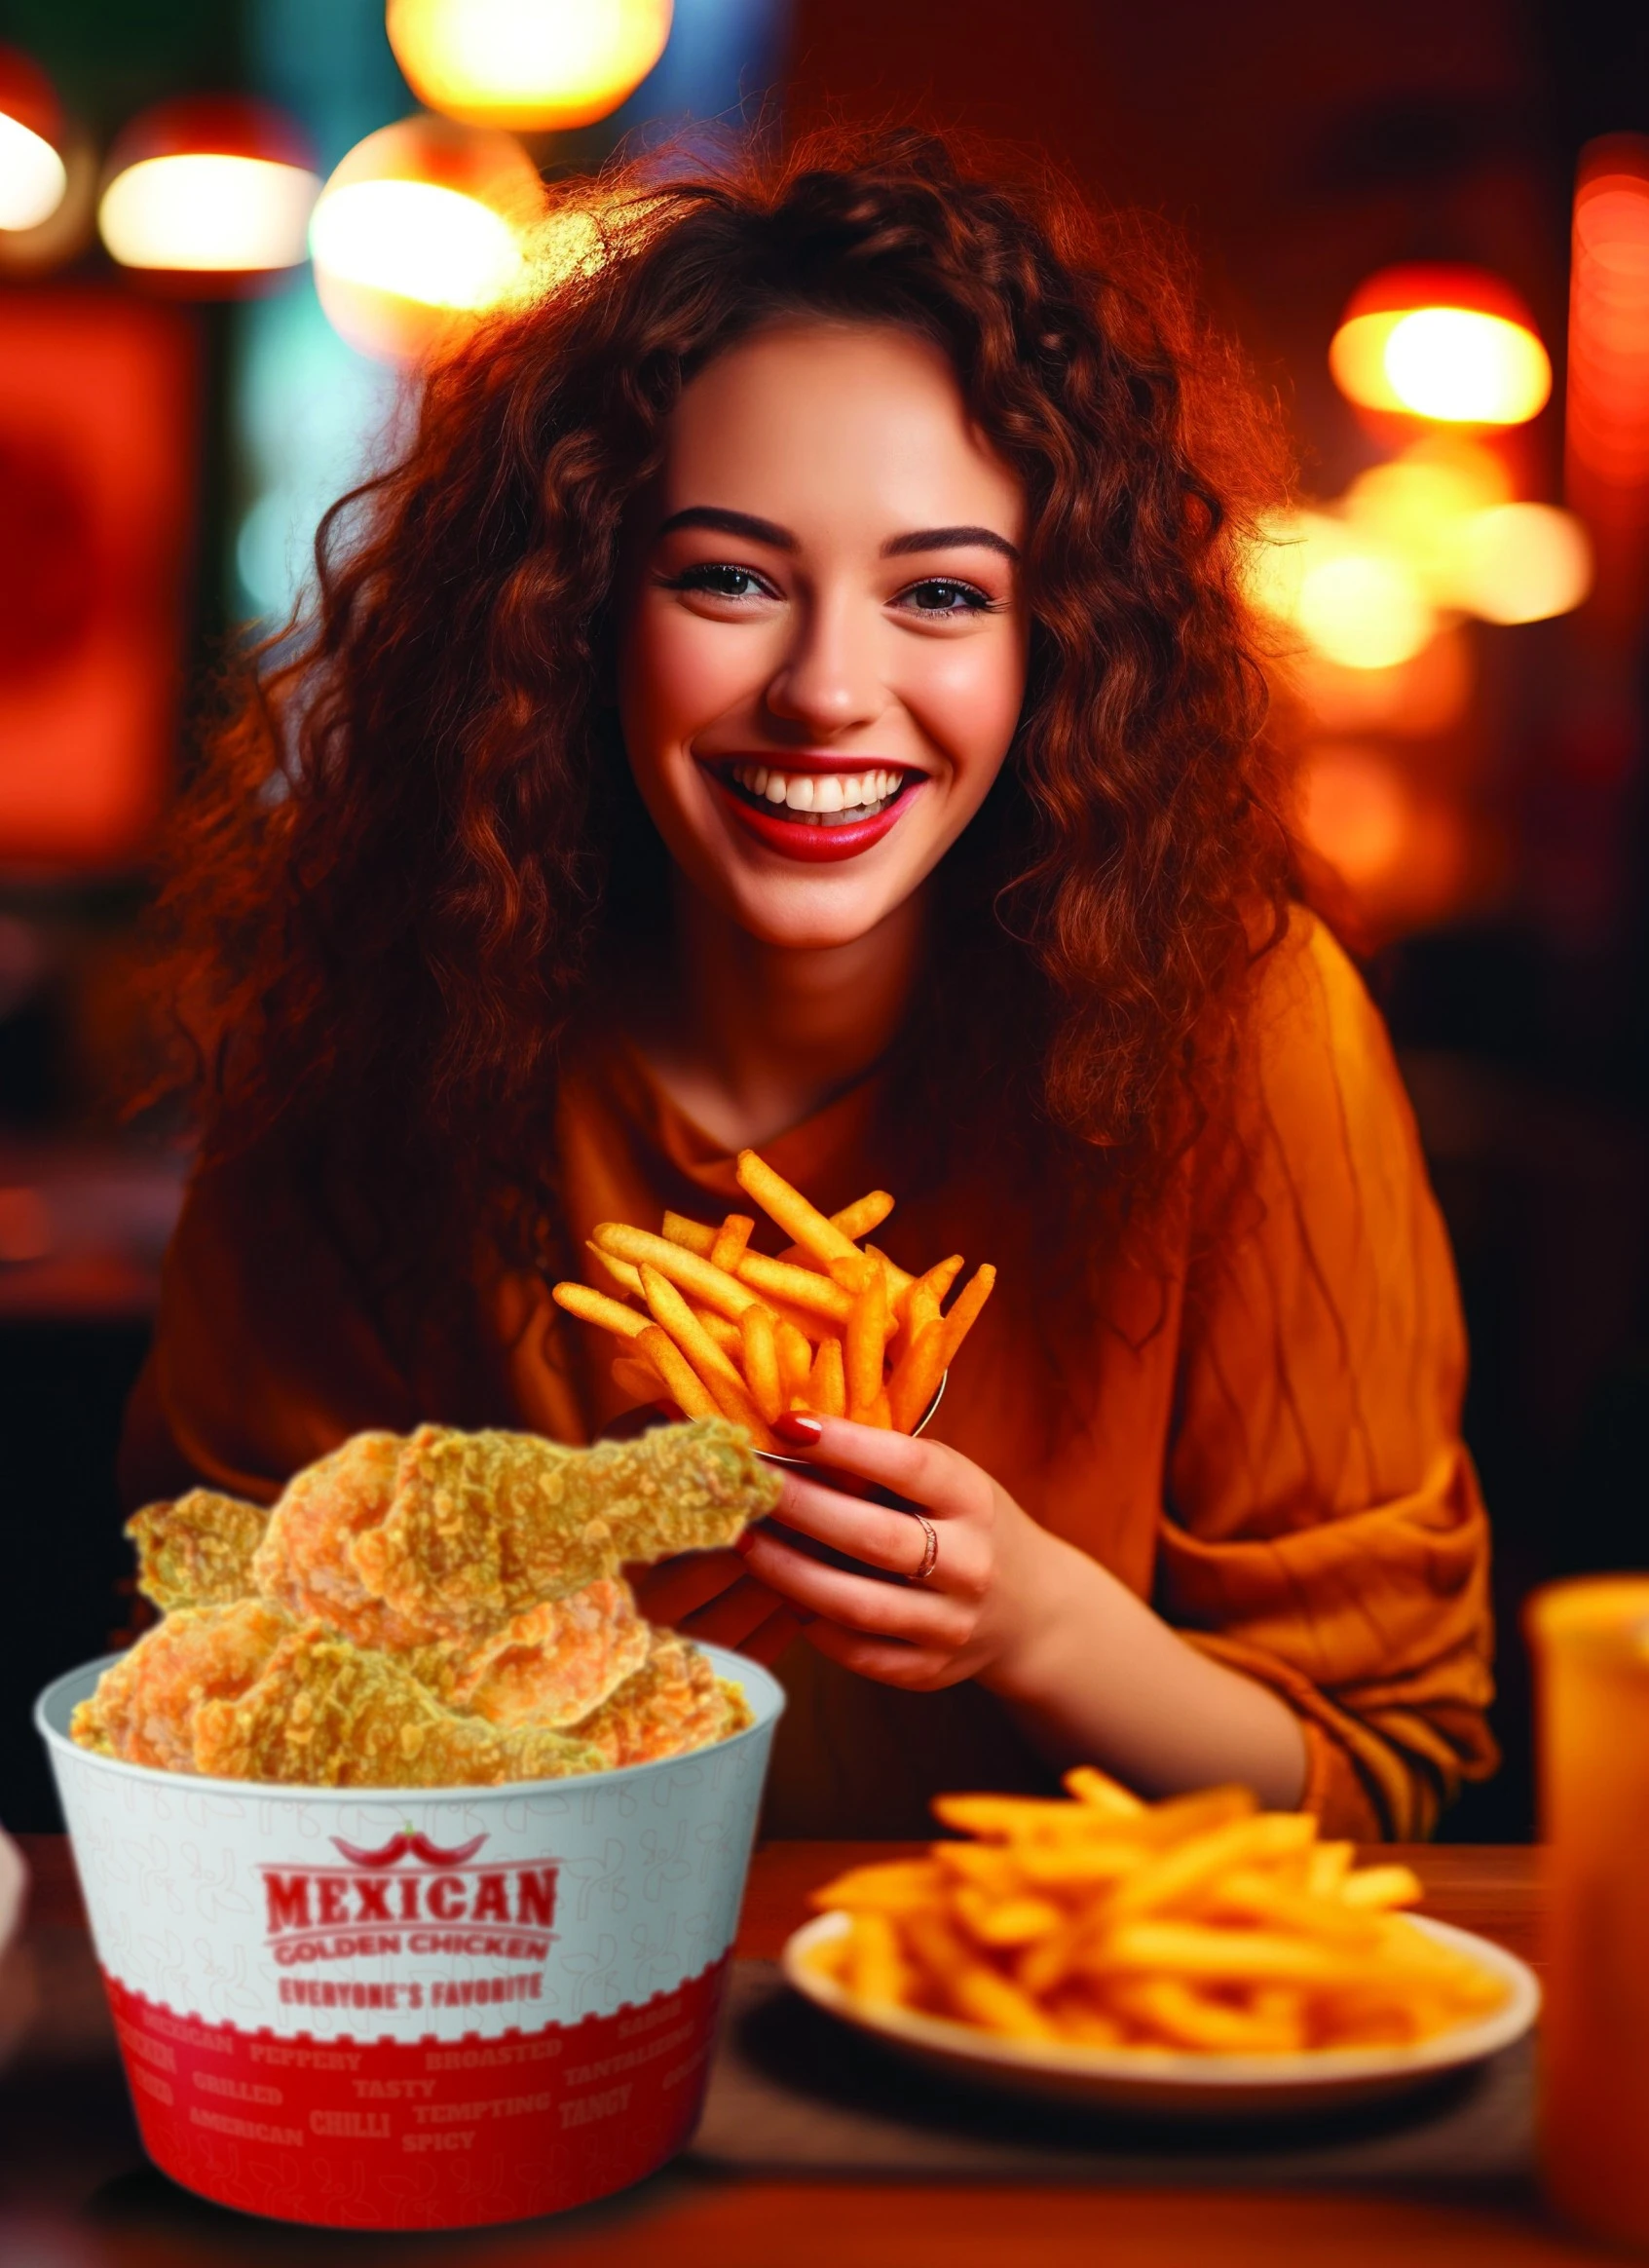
(1166, 2082)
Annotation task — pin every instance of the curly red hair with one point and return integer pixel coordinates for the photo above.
(416, 836)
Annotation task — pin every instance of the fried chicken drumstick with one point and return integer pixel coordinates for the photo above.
(445, 1608)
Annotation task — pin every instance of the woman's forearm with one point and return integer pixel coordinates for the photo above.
(1099, 1679)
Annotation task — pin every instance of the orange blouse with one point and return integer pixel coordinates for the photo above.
(1263, 1440)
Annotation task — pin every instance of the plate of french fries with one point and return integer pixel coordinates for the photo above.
(706, 1320)
(1194, 1957)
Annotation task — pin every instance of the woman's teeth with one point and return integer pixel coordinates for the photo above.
(827, 798)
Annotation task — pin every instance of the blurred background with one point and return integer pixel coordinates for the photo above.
(229, 227)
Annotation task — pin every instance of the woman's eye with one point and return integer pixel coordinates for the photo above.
(720, 582)
(941, 595)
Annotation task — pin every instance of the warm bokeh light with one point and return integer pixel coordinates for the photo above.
(1452, 345)
(531, 64)
(1608, 422)
(208, 189)
(426, 225)
(419, 241)
(1456, 365)
(1356, 811)
(32, 175)
(205, 212)
(1524, 563)
(1406, 855)
(1414, 699)
(1420, 504)
(1354, 602)
(1363, 610)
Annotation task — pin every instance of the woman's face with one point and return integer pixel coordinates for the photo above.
(824, 647)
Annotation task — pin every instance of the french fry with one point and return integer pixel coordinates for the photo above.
(934, 1284)
(692, 1235)
(621, 1272)
(864, 1344)
(917, 1375)
(891, 1886)
(863, 1215)
(797, 1287)
(592, 1306)
(830, 1324)
(795, 1360)
(718, 1371)
(711, 1287)
(639, 1380)
(1200, 1924)
(992, 2001)
(1101, 1792)
(727, 1334)
(801, 1219)
(964, 1310)
(731, 1237)
(877, 1969)
(1179, 1873)
(1376, 1887)
(827, 1386)
(681, 1383)
(760, 1338)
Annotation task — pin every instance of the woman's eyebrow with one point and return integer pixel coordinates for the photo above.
(731, 524)
(947, 539)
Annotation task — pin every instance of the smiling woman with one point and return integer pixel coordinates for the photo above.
(796, 691)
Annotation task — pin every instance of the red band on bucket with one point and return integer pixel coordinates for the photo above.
(378, 2133)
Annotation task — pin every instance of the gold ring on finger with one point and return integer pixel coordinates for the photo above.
(931, 1549)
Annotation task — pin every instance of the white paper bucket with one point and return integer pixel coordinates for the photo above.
(364, 2008)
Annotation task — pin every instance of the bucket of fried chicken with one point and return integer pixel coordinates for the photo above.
(413, 1854)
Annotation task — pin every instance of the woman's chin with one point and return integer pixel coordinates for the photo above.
(811, 913)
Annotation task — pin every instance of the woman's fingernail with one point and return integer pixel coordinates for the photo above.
(798, 1430)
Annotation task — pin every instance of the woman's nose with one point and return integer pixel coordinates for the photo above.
(828, 680)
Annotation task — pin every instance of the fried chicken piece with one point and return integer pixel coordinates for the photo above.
(328, 1714)
(197, 1552)
(304, 1560)
(146, 1704)
(475, 1529)
(675, 1703)
(552, 1665)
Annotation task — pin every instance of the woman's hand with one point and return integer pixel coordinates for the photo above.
(967, 1616)
(1086, 1667)
(705, 1594)
(710, 1596)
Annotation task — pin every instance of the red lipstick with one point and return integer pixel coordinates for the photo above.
(815, 845)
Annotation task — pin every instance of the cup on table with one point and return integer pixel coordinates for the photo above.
(1591, 1644)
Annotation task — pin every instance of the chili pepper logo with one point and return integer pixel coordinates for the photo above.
(409, 1844)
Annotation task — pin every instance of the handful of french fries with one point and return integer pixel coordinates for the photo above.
(831, 1324)
(1199, 1923)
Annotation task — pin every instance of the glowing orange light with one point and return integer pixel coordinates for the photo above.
(425, 226)
(210, 193)
(527, 63)
(1608, 401)
(1524, 563)
(1363, 609)
(1452, 345)
(1405, 856)
(32, 175)
(1354, 602)
(1413, 699)
(1420, 504)
(1356, 811)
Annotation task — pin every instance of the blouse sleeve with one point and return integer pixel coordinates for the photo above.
(265, 1354)
(1324, 1530)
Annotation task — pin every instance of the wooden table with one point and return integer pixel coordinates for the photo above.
(76, 2192)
